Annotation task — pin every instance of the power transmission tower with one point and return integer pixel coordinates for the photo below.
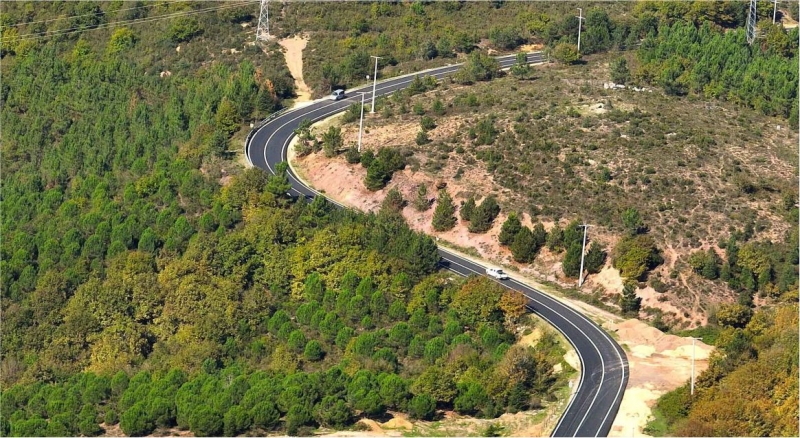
(262, 32)
(752, 17)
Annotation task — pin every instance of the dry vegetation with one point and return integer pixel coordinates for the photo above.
(565, 148)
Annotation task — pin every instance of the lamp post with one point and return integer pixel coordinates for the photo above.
(583, 253)
(374, 83)
(580, 21)
(691, 391)
(361, 122)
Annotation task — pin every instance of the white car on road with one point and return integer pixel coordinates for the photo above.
(496, 273)
(337, 95)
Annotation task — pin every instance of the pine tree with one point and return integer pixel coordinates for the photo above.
(555, 239)
(468, 209)
(595, 258)
(422, 202)
(484, 215)
(444, 215)
(572, 261)
(628, 301)
(524, 246)
(539, 236)
(510, 228)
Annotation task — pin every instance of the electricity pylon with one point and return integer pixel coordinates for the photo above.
(752, 17)
(262, 31)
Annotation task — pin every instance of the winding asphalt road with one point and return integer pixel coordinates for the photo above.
(604, 367)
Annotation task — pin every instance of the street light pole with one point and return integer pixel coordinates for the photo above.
(374, 83)
(691, 391)
(774, 10)
(361, 123)
(580, 21)
(583, 253)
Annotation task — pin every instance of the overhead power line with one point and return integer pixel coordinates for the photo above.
(93, 13)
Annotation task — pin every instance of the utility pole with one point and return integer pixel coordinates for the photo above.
(583, 253)
(262, 31)
(374, 83)
(774, 10)
(691, 391)
(580, 22)
(361, 123)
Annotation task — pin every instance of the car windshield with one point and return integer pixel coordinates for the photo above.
(500, 271)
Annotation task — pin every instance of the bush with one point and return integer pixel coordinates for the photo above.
(635, 255)
(313, 351)
(619, 71)
(422, 407)
(184, 29)
(566, 53)
(427, 123)
(422, 138)
(467, 209)
(506, 38)
(352, 155)
(510, 228)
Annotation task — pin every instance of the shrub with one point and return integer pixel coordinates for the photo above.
(566, 53)
(352, 155)
(422, 407)
(635, 255)
(422, 138)
(427, 123)
(510, 228)
(467, 209)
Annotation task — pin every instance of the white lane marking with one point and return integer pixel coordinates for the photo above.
(603, 333)
(445, 71)
(580, 356)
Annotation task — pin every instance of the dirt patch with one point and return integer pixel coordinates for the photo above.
(293, 52)
(658, 363)
(398, 422)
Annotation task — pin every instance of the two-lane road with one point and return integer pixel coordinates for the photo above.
(604, 367)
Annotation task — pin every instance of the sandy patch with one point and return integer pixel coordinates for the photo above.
(658, 363)
(293, 52)
(398, 422)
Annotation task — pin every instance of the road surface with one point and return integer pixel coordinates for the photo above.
(604, 367)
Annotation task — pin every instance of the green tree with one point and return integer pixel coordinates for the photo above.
(227, 117)
(265, 415)
(422, 203)
(483, 217)
(632, 222)
(297, 341)
(595, 258)
(634, 256)
(566, 53)
(333, 412)
(629, 303)
(444, 215)
(332, 141)
(619, 71)
(236, 421)
(87, 421)
(136, 421)
(279, 184)
(184, 29)
(472, 399)
(734, 315)
(422, 407)
(393, 201)
(509, 230)
(468, 208)
(555, 238)
(205, 421)
(523, 248)
(313, 351)
(571, 265)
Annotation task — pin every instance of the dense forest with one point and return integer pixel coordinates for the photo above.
(684, 58)
(147, 281)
